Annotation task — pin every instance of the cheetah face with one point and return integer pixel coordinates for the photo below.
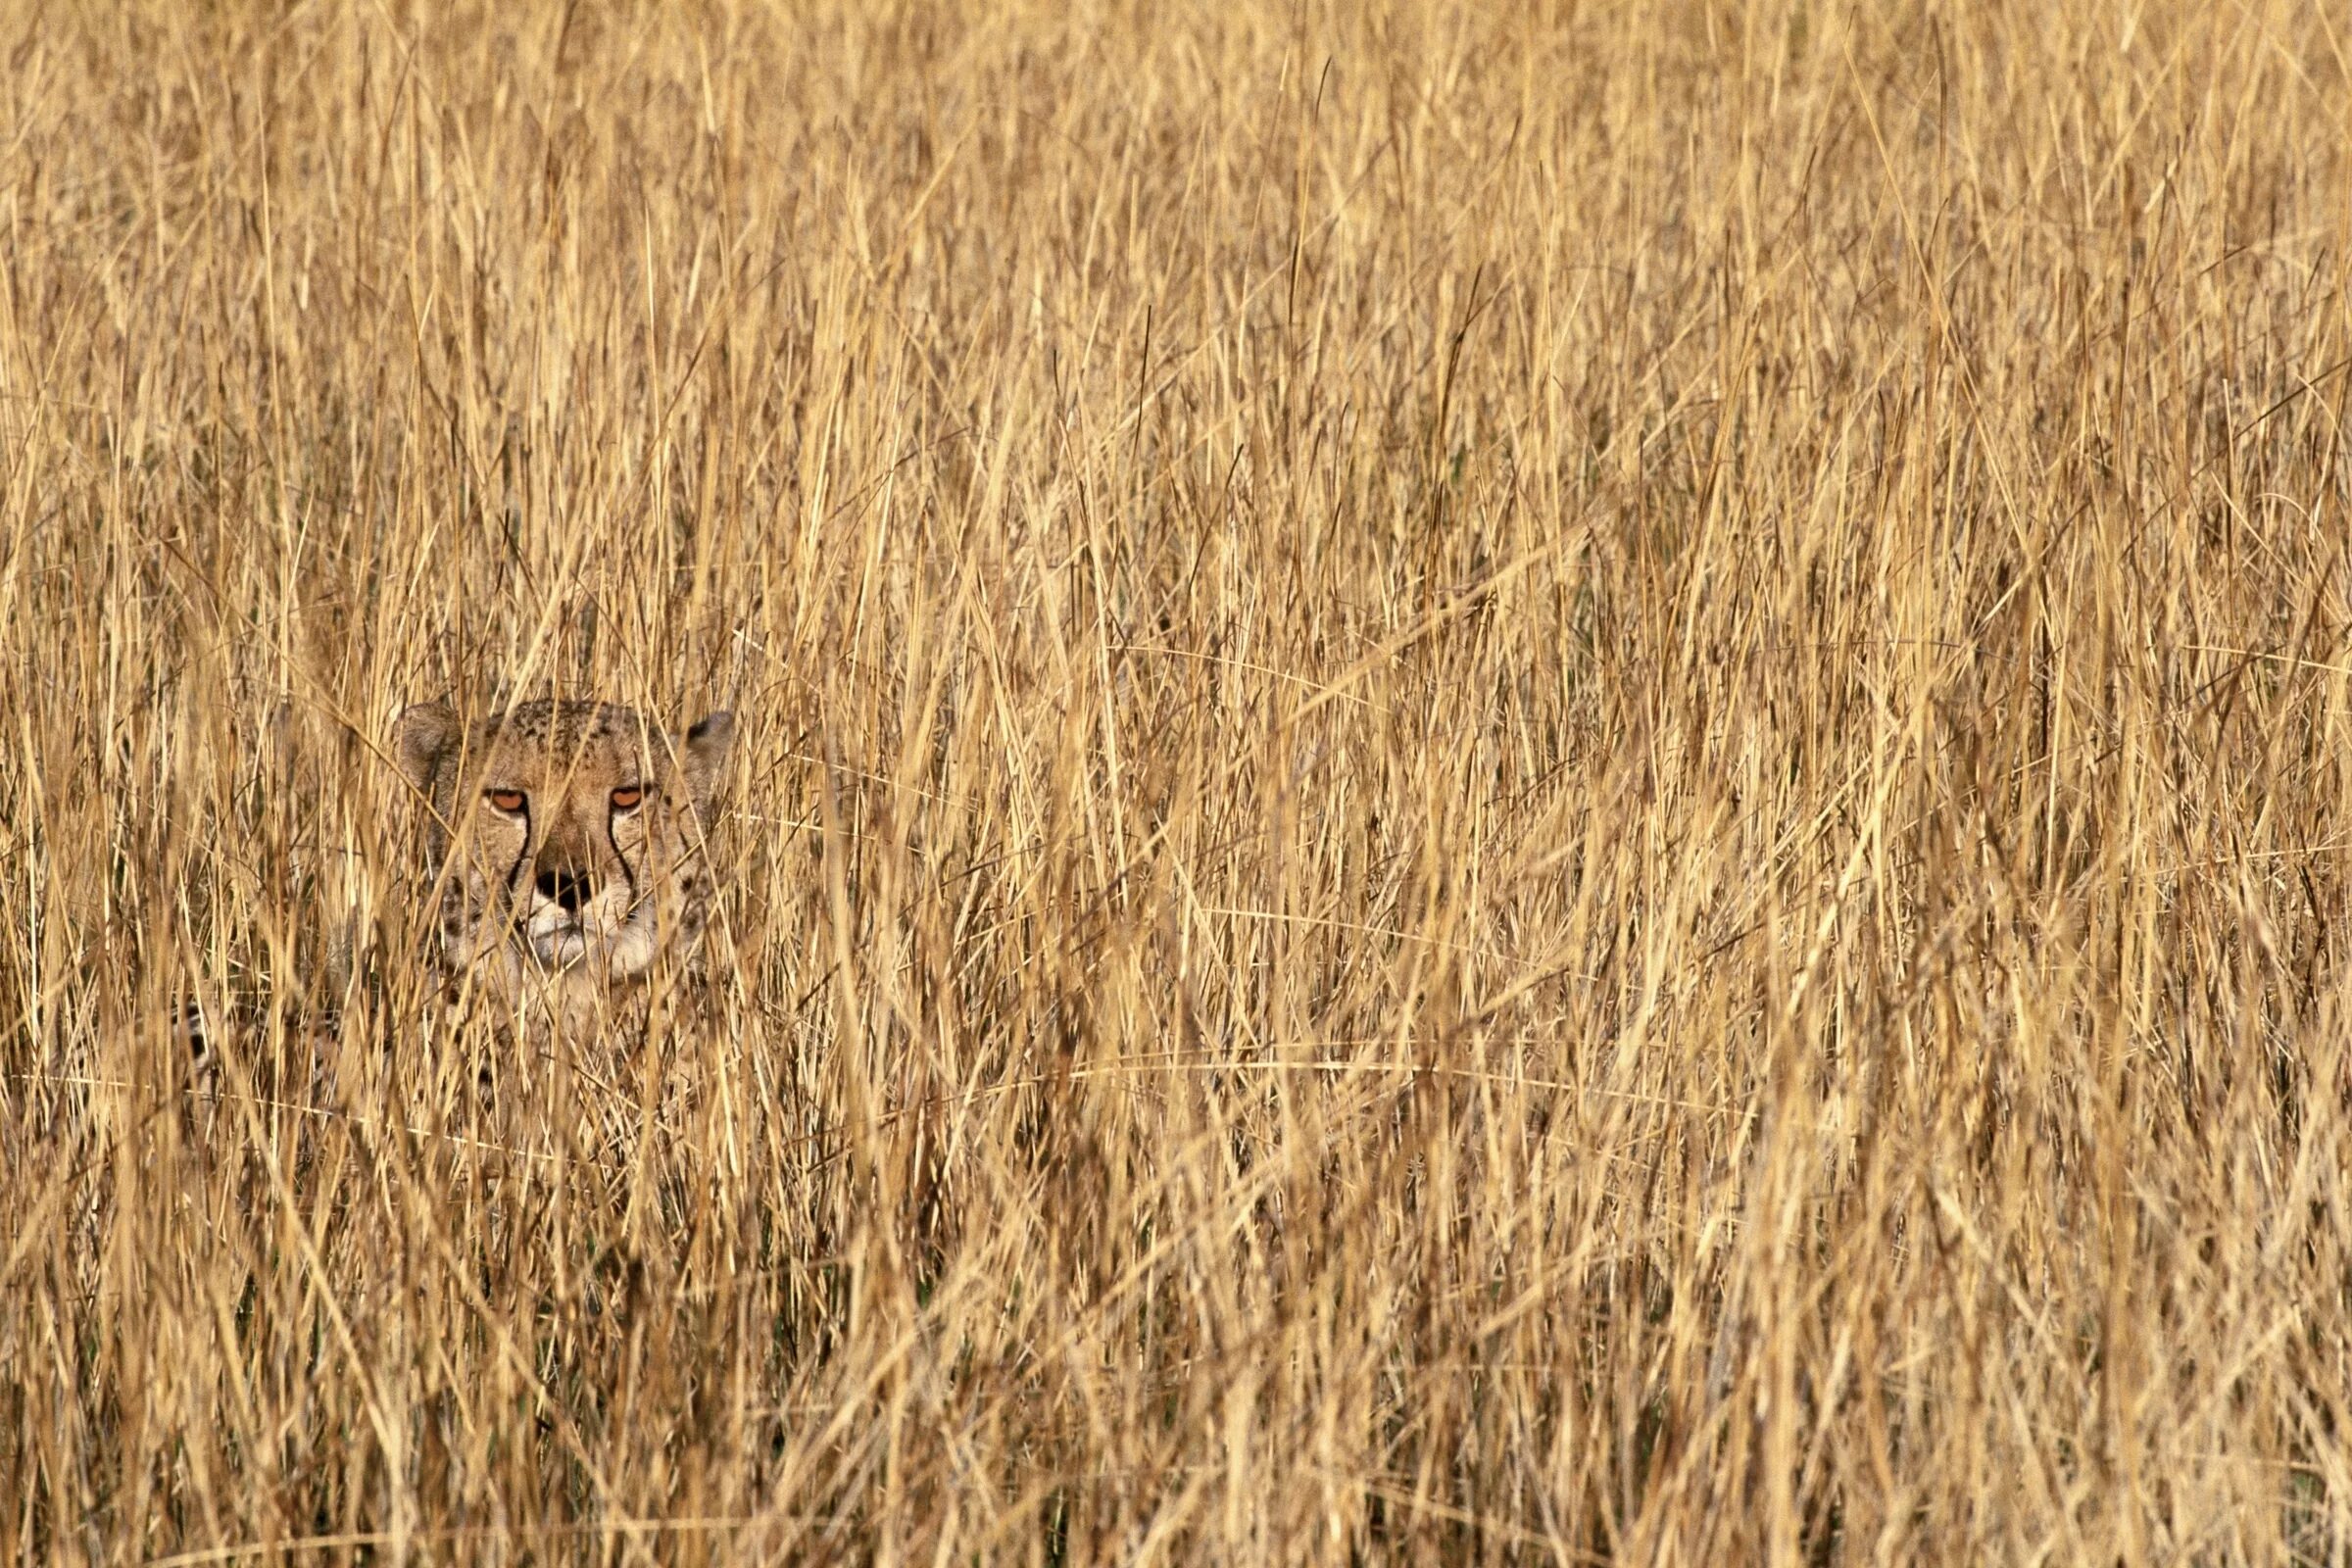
(567, 835)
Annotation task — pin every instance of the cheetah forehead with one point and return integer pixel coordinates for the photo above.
(574, 731)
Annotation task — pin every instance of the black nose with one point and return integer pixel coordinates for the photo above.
(569, 889)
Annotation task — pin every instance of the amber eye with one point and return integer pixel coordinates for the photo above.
(627, 798)
(507, 800)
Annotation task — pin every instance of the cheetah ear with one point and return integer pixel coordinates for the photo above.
(421, 736)
(705, 754)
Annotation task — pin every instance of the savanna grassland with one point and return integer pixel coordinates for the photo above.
(1516, 783)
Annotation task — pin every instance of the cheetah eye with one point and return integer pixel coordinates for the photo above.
(628, 797)
(506, 800)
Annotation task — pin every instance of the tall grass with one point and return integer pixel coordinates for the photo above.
(1519, 784)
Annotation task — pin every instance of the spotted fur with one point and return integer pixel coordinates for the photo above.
(567, 840)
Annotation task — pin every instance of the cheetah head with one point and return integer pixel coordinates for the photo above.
(567, 835)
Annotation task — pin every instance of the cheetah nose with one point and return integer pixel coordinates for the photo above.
(568, 889)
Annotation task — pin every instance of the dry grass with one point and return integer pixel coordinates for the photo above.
(1539, 788)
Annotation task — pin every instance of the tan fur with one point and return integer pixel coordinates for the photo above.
(557, 895)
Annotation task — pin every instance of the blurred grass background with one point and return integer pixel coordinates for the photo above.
(1545, 783)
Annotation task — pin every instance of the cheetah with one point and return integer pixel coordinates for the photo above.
(567, 840)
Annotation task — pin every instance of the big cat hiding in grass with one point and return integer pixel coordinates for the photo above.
(1507, 783)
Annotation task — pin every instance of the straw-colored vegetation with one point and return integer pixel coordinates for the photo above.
(1559, 785)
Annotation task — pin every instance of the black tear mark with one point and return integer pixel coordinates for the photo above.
(522, 858)
(613, 837)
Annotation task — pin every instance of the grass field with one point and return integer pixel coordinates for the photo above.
(1532, 783)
